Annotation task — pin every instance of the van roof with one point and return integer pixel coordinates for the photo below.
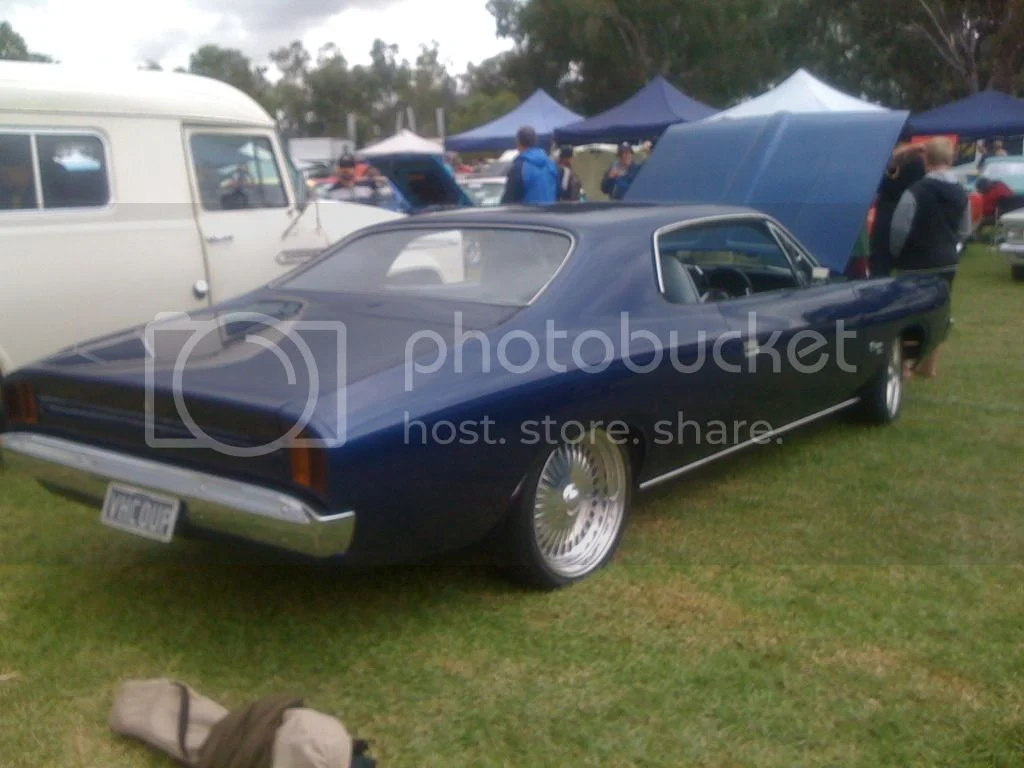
(56, 88)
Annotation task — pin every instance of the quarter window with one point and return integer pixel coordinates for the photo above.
(69, 169)
(237, 172)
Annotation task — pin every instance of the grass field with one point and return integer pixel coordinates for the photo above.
(854, 597)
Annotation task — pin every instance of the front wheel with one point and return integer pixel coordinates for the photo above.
(569, 517)
(882, 399)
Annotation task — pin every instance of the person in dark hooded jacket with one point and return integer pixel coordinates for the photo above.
(931, 222)
(533, 177)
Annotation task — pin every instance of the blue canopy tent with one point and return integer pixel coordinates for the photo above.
(540, 111)
(644, 115)
(983, 115)
(786, 165)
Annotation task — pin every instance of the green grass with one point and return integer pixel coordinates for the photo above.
(854, 597)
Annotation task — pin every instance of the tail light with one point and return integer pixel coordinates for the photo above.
(19, 402)
(309, 468)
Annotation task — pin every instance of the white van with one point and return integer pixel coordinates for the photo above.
(129, 194)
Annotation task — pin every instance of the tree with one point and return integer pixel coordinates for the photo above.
(151, 66)
(479, 108)
(235, 68)
(14, 48)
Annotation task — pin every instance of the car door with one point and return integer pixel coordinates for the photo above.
(785, 339)
(253, 231)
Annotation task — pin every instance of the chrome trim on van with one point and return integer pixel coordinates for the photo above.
(238, 509)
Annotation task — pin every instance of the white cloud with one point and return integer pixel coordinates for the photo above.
(127, 32)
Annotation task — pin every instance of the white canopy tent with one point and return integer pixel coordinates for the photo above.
(403, 142)
(800, 92)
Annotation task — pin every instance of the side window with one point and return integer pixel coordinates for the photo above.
(237, 172)
(719, 262)
(72, 171)
(17, 177)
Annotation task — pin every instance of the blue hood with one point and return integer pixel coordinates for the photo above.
(536, 157)
(423, 181)
(816, 173)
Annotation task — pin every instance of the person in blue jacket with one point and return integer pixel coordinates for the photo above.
(620, 176)
(533, 177)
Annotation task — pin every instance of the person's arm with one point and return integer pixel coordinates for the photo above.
(608, 182)
(902, 221)
(513, 184)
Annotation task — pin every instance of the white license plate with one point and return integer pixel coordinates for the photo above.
(140, 512)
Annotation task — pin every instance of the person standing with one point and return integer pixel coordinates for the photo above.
(930, 224)
(570, 188)
(620, 176)
(533, 177)
(905, 169)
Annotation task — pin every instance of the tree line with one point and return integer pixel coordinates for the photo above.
(592, 54)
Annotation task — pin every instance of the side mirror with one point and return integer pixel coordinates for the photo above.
(820, 274)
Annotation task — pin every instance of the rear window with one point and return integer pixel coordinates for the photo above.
(484, 265)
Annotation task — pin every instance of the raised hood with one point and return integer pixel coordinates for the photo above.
(816, 173)
(422, 180)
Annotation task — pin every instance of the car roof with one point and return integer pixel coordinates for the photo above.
(579, 218)
(57, 88)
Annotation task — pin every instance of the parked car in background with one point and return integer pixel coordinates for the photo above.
(1011, 241)
(126, 194)
(485, 191)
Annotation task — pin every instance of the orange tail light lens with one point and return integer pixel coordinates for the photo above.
(309, 468)
(20, 403)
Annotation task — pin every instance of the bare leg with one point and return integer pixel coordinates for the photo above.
(929, 367)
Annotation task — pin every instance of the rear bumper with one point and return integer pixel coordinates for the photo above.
(237, 509)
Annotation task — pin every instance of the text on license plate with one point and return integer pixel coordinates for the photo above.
(140, 512)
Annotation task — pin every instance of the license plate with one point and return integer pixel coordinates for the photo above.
(140, 512)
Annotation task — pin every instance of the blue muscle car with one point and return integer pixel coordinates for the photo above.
(523, 393)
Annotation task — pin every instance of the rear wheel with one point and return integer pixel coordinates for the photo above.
(570, 515)
(882, 398)
(1017, 270)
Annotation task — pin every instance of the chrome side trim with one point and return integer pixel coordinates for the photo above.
(753, 441)
(215, 503)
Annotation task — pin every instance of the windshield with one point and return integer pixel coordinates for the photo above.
(484, 265)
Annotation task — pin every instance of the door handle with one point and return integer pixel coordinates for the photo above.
(215, 239)
(201, 289)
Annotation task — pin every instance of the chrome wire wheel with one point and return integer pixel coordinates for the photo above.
(580, 504)
(894, 380)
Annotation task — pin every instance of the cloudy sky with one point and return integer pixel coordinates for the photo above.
(82, 32)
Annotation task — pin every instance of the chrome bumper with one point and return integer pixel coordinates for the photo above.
(213, 503)
(1014, 252)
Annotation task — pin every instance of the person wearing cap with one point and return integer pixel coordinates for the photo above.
(533, 177)
(570, 188)
(345, 188)
(620, 176)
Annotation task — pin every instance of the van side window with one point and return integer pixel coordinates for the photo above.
(236, 172)
(17, 177)
(73, 171)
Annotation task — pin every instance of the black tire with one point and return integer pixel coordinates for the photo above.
(528, 531)
(1017, 270)
(880, 404)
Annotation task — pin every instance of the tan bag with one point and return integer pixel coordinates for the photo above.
(165, 714)
(176, 720)
(311, 739)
